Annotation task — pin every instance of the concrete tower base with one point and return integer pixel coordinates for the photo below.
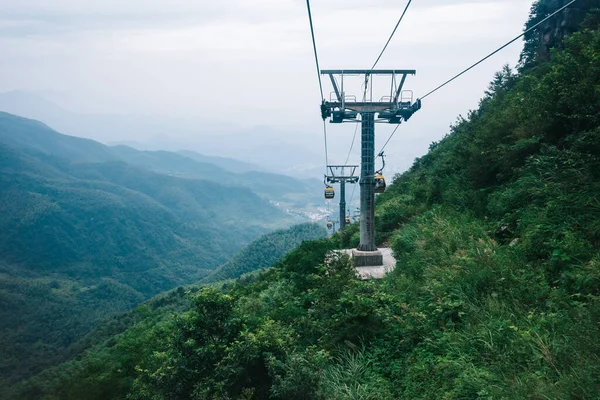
(387, 263)
(367, 258)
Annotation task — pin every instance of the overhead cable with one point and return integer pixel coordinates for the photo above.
(381, 54)
(352, 144)
(326, 153)
(351, 197)
(366, 84)
(312, 33)
(499, 49)
(392, 35)
(484, 59)
(390, 138)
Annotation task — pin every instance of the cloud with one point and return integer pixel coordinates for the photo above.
(251, 61)
(67, 15)
(62, 15)
(240, 26)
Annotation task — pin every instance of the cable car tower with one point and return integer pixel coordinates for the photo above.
(342, 174)
(393, 109)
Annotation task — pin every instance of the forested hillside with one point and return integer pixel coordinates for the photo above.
(496, 294)
(266, 251)
(285, 190)
(80, 241)
(29, 135)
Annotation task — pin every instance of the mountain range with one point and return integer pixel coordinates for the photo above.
(88, 230)
(264, 148)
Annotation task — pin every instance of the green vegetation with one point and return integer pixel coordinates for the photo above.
(496, 294)
(33, 136)
(81, 241)
(289, 192)
(266, 251)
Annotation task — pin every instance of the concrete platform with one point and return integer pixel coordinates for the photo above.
(378, 271)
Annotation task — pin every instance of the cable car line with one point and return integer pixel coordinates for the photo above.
(328, 189)
(390, 138)
(392, 35)
(366, 84)
(352, 145)
(484, 59)
(352, 196)
(326, 152)
(379, 179)
(499, 49)
(373, 67)
(312, 32)
(377, 61)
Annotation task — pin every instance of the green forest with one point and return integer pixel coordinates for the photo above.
(265, 251)
(496, 293)
(85, 236)
(51, 319)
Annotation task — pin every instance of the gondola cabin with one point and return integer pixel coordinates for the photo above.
(379, 183)
(329, 193)
(347, 220)
(329, 225)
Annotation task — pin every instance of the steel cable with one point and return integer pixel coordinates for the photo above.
(392, 35)
(499, 49)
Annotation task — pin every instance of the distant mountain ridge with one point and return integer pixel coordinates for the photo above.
(279, 188)
(220, 139)
(226, 163)
(32, 135)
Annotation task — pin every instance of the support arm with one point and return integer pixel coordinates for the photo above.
(399, 89)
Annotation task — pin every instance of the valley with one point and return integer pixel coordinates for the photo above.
(89, 231)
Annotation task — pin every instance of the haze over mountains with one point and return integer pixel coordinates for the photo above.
(260, 146)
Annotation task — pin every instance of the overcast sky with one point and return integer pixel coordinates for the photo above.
(250, 61)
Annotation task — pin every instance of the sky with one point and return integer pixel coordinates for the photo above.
(248, 65)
